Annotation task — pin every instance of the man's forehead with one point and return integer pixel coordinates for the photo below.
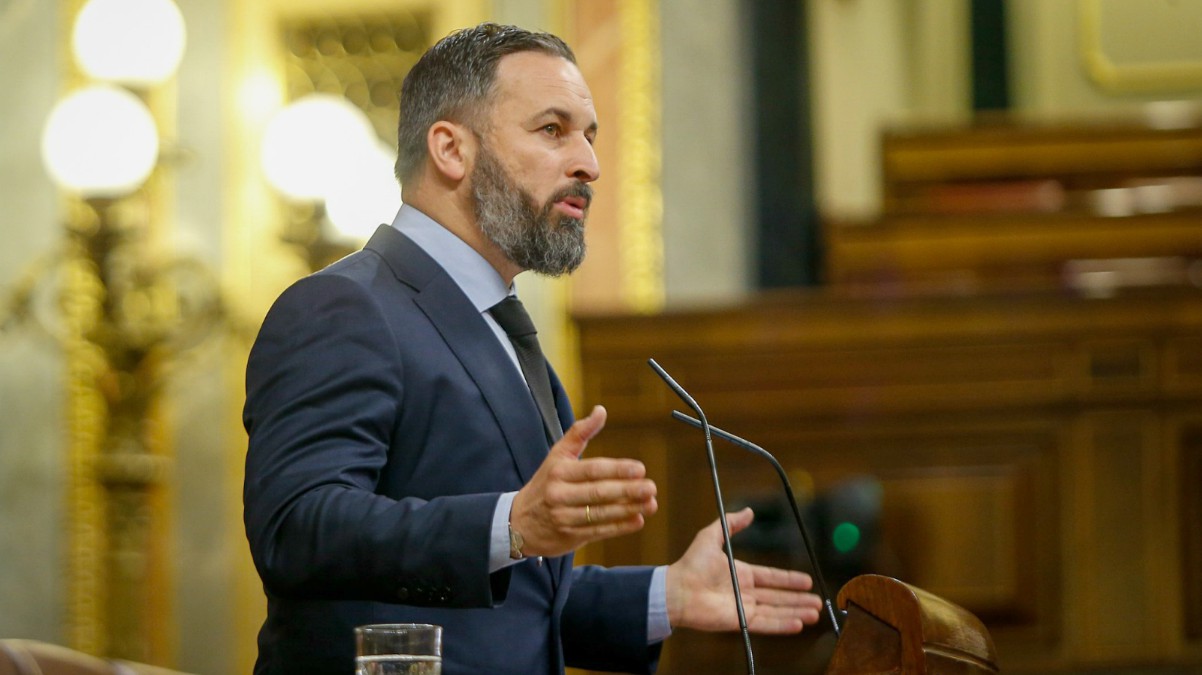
(536, 81)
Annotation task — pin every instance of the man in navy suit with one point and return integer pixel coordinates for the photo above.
(399, 469)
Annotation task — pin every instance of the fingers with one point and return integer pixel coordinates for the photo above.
(596, 515)
(782, 605)
(773, 620)
(599, 492)
(794, 601)
(588, 518)
(740, 520)
(610, 528)
(581, 432)
(780, 612)
(600, 468)
(736, 521)
(773, 577)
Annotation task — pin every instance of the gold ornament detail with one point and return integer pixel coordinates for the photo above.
(639, 158)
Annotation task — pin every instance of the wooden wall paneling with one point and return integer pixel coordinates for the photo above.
(976, 253)
(1182, 368)
(1169, 509)
(1183, 365)
(1020, 205)
(1189, 492)
(1112, 590)
(1082, 153)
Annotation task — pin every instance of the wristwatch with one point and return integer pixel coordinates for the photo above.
(515, 544)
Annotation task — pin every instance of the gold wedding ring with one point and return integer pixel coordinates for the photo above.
(588, 515)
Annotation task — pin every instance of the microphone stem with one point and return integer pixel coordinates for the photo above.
(730, 551)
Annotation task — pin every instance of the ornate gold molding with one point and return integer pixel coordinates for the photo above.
(360, 57)
(1164, 76)
(87, 599)
(85, 595)
(642, 247)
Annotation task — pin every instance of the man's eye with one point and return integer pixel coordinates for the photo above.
(552, 129)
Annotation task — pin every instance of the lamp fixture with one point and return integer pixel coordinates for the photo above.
(136, 43)
(311, 142)
(366, 195)
(122, 315)
(100, 142)
(322, 154)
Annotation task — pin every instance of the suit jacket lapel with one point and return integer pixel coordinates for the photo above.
(473, 343)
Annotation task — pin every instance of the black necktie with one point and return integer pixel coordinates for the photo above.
(513, 319)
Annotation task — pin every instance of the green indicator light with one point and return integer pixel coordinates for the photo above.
(846, 537)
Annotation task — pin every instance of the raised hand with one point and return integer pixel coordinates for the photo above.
(700, 596)
(571, 501)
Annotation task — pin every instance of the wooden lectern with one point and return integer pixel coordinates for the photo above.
(893, 627)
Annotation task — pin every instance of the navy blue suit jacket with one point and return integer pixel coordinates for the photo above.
(385, 420)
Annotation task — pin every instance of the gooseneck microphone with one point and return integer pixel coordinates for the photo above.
(730, 553)
(784, 479)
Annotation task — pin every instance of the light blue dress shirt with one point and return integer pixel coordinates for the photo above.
(484, 287)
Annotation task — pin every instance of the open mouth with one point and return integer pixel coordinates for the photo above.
(574, 206)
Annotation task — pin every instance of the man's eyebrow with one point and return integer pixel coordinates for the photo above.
(564, 116)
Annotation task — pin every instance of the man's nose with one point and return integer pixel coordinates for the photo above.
(584, 167)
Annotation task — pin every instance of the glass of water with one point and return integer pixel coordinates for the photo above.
(398, 649)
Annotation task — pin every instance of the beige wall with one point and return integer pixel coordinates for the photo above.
(875, 64)
(1151, 43)
(883, 63)
(31, 473)
(707, 227)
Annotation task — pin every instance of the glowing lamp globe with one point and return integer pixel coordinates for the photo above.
(366, 195)
(100, 141)
(136, 43)
(310, 145)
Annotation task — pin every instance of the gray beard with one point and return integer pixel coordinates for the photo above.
(540, 240)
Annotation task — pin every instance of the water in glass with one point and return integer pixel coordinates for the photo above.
(398, 664)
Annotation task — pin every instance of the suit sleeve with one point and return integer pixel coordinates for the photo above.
(604, 623)
(324, 396)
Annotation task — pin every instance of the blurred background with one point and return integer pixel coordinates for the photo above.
(942, 258)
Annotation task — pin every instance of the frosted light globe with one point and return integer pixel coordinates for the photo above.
(311, 143)
(367, 194)
(137, 43)
(100, 141)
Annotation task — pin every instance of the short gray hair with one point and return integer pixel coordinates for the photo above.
(454, 80)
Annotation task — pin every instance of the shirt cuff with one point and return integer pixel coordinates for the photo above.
(658, 627)
(498, 545)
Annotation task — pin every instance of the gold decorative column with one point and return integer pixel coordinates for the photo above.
(128, 313)
(87, 418)
(617, 48)
(120, 321)
(642, 244)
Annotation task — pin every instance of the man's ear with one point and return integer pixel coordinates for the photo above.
(451, 147)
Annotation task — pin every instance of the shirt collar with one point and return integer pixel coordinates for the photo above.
(470, 271)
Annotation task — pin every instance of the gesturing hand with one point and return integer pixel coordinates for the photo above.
(571, 501)
(700, 595)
